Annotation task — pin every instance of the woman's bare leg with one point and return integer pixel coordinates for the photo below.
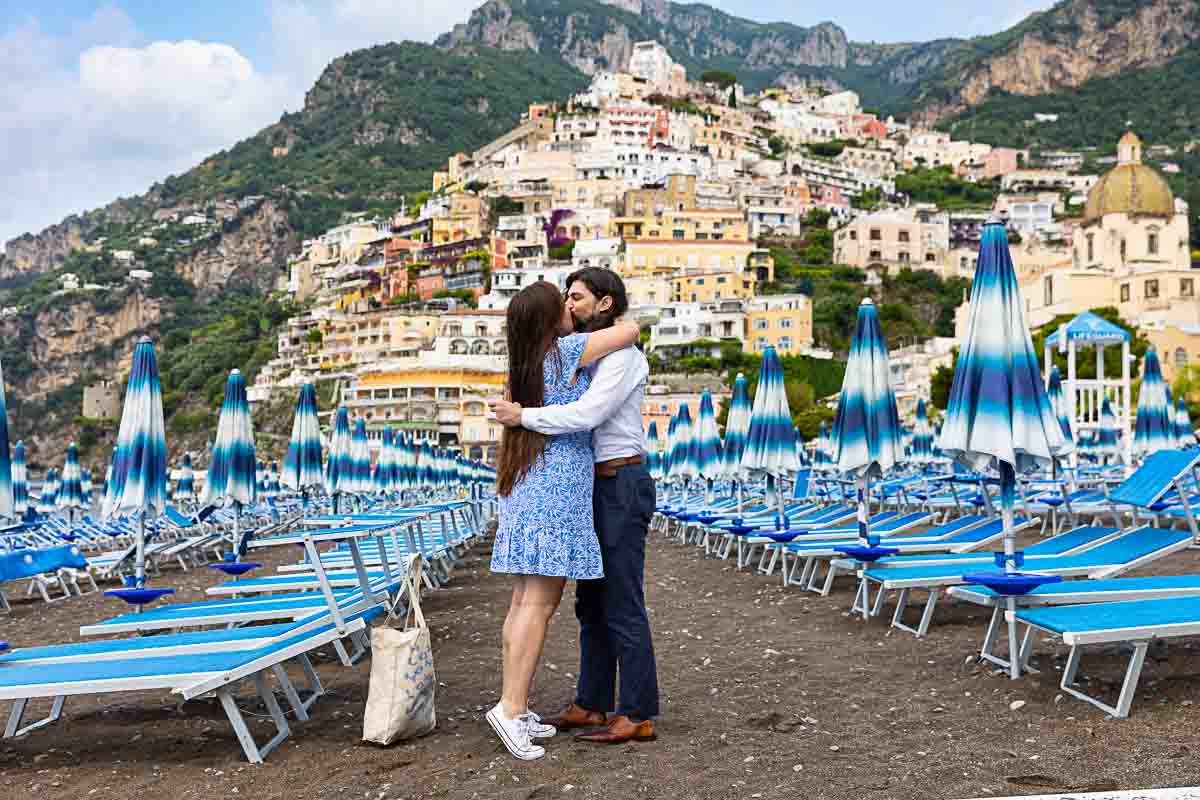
(525, 635)
(508, 644)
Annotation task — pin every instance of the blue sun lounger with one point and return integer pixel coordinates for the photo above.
(191, 674)
(1077, 592)
(1134, 622)
(780, 545)
(1113, 557)
(957, 536)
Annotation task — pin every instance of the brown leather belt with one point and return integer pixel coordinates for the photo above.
(608, 469)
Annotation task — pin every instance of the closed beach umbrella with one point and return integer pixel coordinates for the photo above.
(185, 487)
(139, 470)
(769, 446)
(685, 455)
(1107, 439)
(360, 458)
(20, 481)
(821, 451)
(341, 467)
(302, 464)
(737, 428)
(86, 485)
(922, 438)
(7, 507)
(998, 414)
(1058, 402)
(1154, 426)
(70, 495)
(231, 474)
(49, 496)
(708, 443)
(866, 430)
(669, 447)
(1183, 425)
(653, 457)
(383, 465)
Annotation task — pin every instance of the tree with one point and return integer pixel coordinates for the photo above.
(778, 145)
(722, 78)
(939, 385)
(733, 97)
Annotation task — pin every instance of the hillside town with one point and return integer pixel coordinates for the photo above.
(676, 184)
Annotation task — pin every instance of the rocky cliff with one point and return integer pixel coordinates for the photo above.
(1065, 47)
(253, 252)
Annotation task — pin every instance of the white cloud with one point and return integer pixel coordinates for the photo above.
(308, 34)
(100, 112)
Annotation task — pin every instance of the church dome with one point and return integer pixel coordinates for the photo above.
(1131, 187)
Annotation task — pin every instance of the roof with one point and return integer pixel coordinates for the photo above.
(1131, 187)
(1087, 327)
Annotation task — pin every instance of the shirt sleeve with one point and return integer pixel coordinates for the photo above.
(616, 376)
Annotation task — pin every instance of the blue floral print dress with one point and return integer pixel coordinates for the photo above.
(546, 522)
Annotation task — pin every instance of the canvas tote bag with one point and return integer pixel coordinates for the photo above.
(401, 692)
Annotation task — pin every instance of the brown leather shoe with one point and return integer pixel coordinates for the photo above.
(618, 730)
(576, 717)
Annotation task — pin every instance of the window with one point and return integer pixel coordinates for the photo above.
(1151, 288)
(786, 322)
(1122, 250)
(701, 236)
(853, 236)
(930, 258)
(1186, 287)
(722, 279)
(677, 234)
(904, 258)
(904, 236)
(760, 343)
(699, 281)
(875, 236)
(1124, 292)
(1181, 358)
(876, 255)
(1152, 243)
(1048, 291)
(761, 324)
(785, 343)
(1091, 247)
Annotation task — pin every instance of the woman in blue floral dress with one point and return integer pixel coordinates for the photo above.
(546, 533)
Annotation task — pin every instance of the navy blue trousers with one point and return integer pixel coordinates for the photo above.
(614, 631)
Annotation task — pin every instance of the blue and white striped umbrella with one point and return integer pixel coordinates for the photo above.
(427, 469)
(1058, 402)
(20, 481)
(48, 499)
(998, 414)
(139, 471)
(360, 458)
(922, 438)
(801, 453)
(1183, 425)
(7, 508)
(231, 473)
(70, 495)
(86, 485)
(821, 450)
(185, 487)
(383, 464)
(260, 477)
(669, 447)
(302, 464)
(653, 456)
(340, 469)
(1106, 442)
(769, 444)
(708, 440)
(737, 428)
(402, 469)
(1154, 427)
(867, 428)
(685, 455)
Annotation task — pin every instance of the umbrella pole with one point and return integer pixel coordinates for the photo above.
(237, 530)
(864, 511)
(1008, 482)
(139, 567)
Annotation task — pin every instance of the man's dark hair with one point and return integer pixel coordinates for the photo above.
(602, 283)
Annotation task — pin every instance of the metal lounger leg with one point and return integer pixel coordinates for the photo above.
(1128, 687)
(14, 729)
(289, 691)
(830, 576)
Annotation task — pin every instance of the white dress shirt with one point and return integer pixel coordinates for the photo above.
(611, 408)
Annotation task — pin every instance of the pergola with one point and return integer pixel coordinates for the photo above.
(1084, 398)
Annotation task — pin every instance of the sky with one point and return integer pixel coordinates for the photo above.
(101, 98)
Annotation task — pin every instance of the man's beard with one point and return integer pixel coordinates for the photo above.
(596, 322)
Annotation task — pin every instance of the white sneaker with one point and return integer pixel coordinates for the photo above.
(538, 730)
(515, 734)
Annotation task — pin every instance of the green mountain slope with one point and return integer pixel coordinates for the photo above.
(375, 126)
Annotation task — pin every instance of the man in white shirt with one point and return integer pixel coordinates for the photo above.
(614, 630)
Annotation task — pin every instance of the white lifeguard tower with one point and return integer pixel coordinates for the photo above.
(1084, 398)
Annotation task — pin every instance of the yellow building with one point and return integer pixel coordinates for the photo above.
(647, 290)
(665, 256)
(705, 287)
(687, 225)
(466, 218)
(443, 405)
(1178, 347)
(783, 320)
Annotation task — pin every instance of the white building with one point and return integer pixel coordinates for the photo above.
(639, 166)
(597, 253)
(124, 257)
(686, 323)
(651, 62)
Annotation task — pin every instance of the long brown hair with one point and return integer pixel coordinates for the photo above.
(533, 319)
